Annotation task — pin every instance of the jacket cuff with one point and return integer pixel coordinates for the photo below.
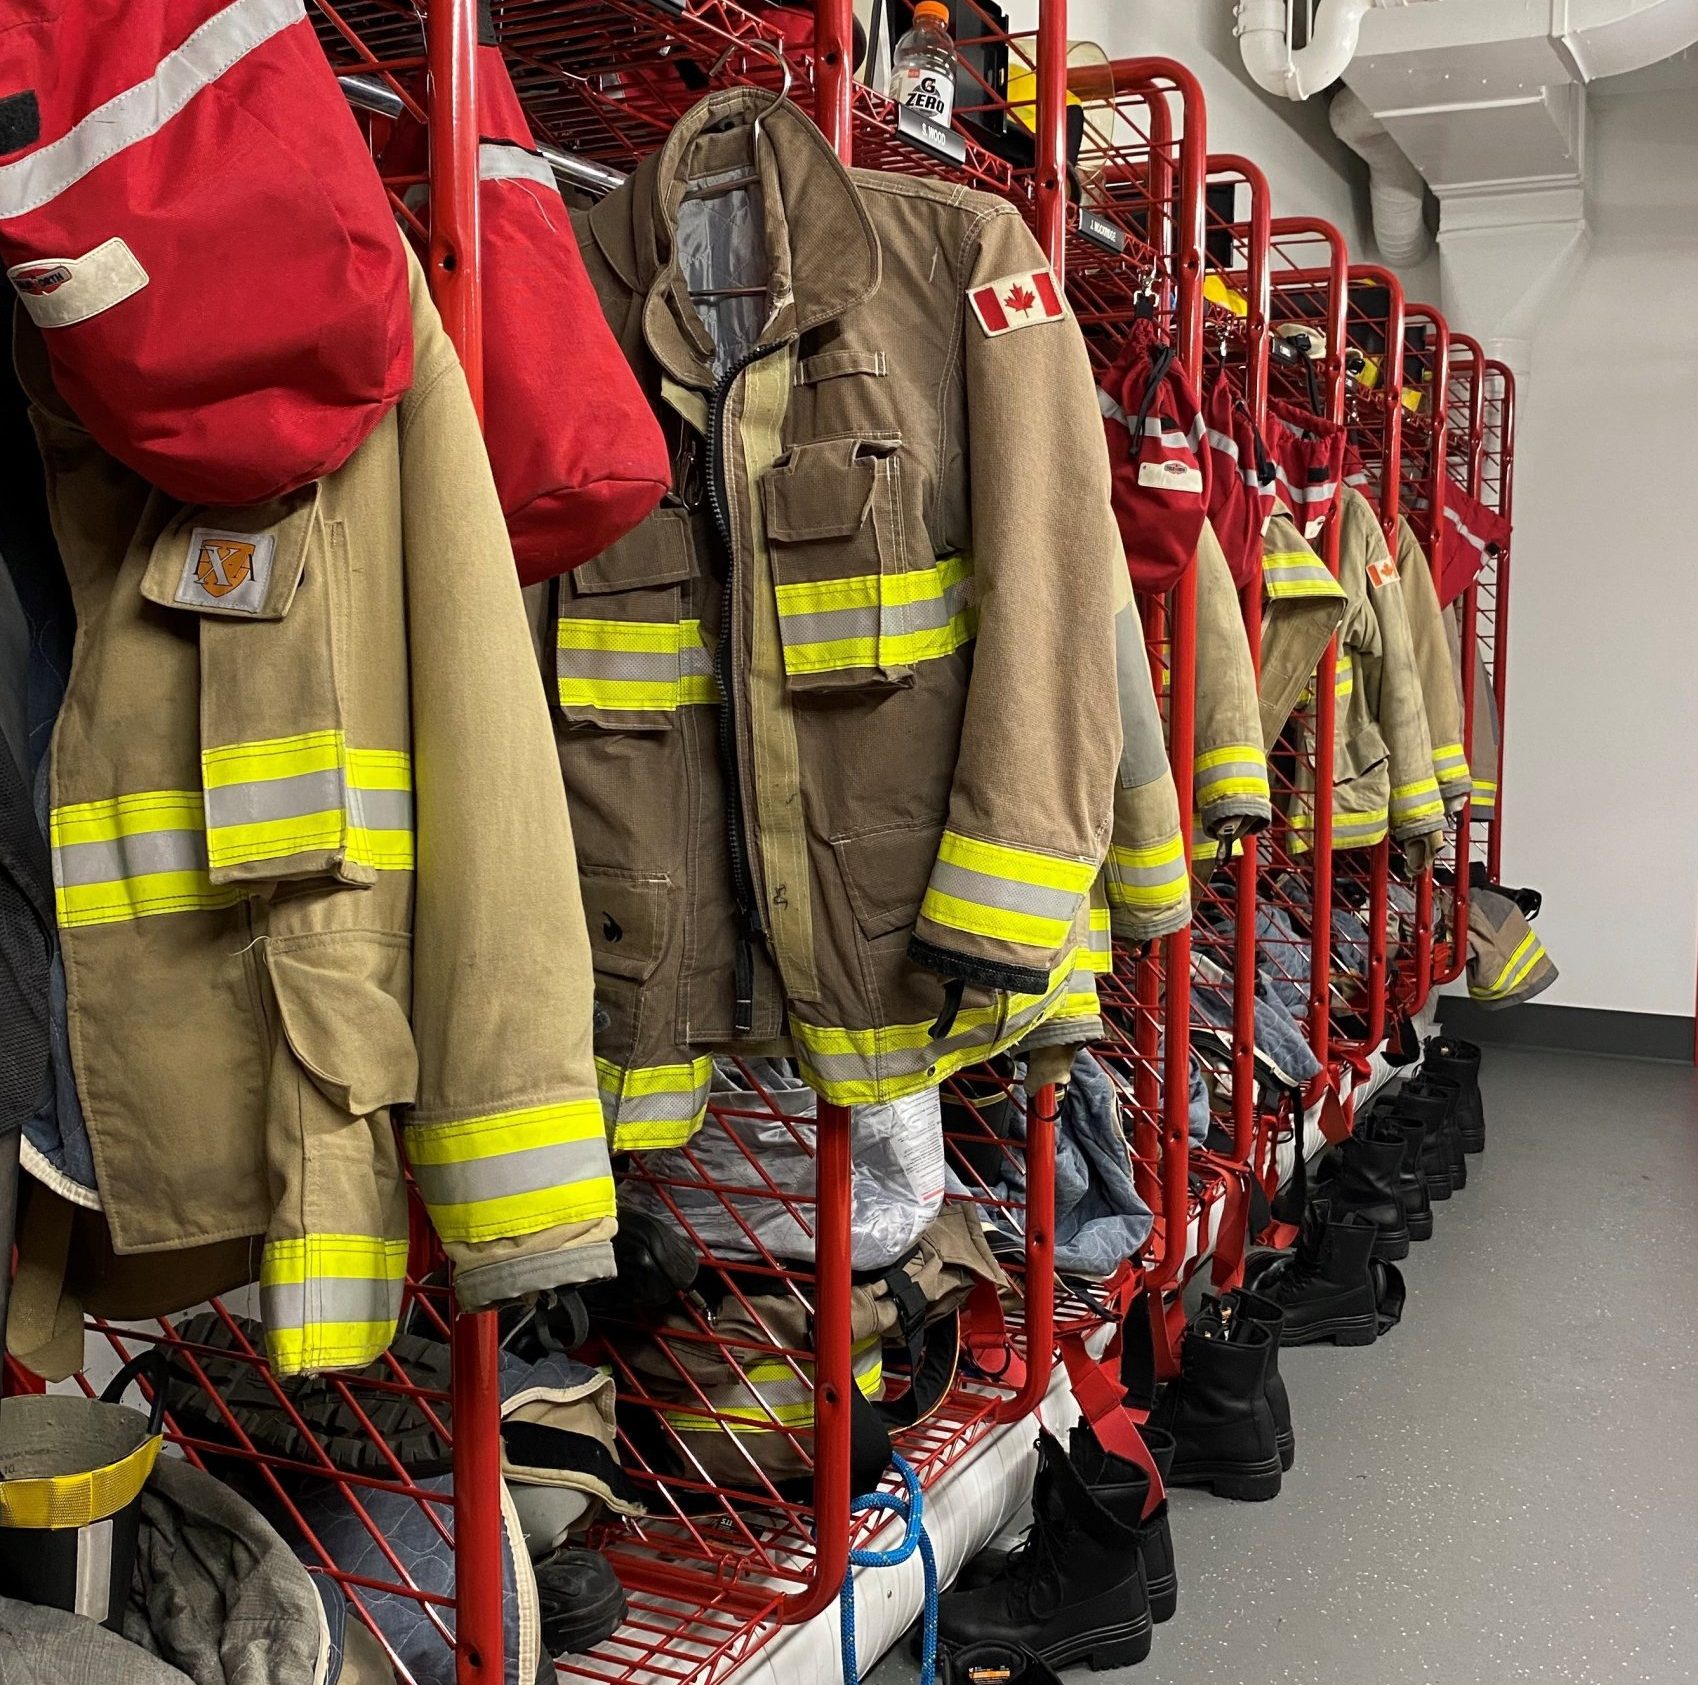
(1149, 889)
(999, 915)
(1416, 808)
(971, 968)
(520, 1276)
(1231, 782)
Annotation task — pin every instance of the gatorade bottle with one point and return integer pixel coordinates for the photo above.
(922, 67)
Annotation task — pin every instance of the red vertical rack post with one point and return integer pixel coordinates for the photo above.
(451, 32)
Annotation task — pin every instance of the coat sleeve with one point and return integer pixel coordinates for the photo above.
(1303, 606)
(1393, 687)
(1032, 797)
(1433, 663)
(1231, 776)
(1146, 880)
(507, 1141)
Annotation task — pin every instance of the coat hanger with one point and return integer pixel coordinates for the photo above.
(751, 176)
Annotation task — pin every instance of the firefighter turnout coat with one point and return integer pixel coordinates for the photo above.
(1382, 758)
(314, 872)
(837, 723)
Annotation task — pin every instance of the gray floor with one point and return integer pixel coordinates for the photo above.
(1506, 1487)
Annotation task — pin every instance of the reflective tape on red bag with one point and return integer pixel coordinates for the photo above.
(191, 219)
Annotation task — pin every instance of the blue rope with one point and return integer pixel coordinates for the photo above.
(912, 1507)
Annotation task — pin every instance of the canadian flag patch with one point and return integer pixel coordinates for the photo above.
(1017, 301)
(1381, 572)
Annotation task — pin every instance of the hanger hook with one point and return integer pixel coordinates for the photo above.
(775, 51)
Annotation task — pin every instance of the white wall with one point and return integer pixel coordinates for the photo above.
(1601, 743)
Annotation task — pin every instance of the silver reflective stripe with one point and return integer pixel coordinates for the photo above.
(146, 852)
(144, 109)
(1147, 877)
(1456, 521)
(274, 798)
(498, 162)
(1221, 771)
(646, 666)
(1009, 894)
(531, 1170)
(892, 620)
(683, 1107)
(1111, 409)
(380, 810)
(323, 1299)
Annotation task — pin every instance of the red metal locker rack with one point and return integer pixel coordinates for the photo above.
(1135, 240)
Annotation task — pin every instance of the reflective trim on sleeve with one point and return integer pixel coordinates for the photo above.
(1351, 828)
(513, 1173)
(861, 1067)
(1234, 772)
(1005, 894)
(1098, 956)
(1528, 955)
(308, 795)
(877, 620)
(1419, 800)
(330, 1301)
(1485, 796)
(132, 857)
(633, 666)
(1151, 877)
(650, 1107)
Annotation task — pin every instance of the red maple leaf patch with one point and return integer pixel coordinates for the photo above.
(1020, 298)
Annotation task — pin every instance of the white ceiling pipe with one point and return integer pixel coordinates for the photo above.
(1268, 54)
(1396, 191)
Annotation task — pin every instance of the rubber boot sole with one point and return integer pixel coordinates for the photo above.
(1251, 1483)
(1392, 1244)
(1360, 1330)
(1420, 1225)
(1287, 1443)
(1438, 1185)
(1121, 1646)
(1164, 1598)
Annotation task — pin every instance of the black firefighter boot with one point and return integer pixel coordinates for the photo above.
(1448, 1056)
(1266, 1314)
(1411, 1180)
(1450, 1094)
(1218, 1410)
(1123, 1489)
(1412, 1104)
(1325, 1285)
(1363, 1177)
(1072, 1591)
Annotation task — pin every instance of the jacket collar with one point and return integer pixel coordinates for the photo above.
(823, 254)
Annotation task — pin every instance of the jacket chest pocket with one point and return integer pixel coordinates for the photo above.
(627, 657)
(861, 601)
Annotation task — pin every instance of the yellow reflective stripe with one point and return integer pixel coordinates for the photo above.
(1344, 676)
(633, 666)
(132, 856)
(870, 590)
(280, 757)
(1516, 970)
(877, 619)
(1148, 875)
(1027, 930)
(505, 1174)
(64, 1501)
(330, 1301)
(744, 1408)
(902, 649)
(1297, 573)
(1017, 865)
(648, 1108)
(1419, 800)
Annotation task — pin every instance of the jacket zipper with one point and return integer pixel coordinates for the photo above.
(750, 923)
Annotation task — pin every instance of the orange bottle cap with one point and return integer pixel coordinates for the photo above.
(932, 9)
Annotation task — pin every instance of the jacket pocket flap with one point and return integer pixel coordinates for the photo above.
(658, 552)
(822, 490)
(343, 1001)
(242, 564)
(627, 916)
(885, 874)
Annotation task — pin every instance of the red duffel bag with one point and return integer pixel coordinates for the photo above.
(1473, 535)
(1160, 470)
(578, 456)
(1241, 479)
(189, 214)
(1308, 455)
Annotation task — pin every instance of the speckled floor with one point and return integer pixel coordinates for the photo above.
(1506, 1487)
